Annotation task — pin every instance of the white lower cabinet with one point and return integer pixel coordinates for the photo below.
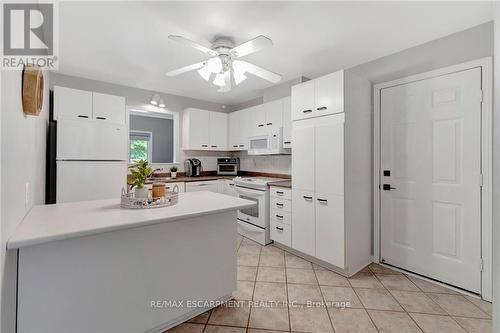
(281, 233)
(303, 222)
(330, 233)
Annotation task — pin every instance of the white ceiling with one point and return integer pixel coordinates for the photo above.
(126, 42)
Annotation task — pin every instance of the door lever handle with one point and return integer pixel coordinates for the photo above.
(388, 187)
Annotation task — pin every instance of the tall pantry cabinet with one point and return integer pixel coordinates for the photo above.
(331, 170)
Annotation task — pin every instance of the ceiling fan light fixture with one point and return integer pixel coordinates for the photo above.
(205, 72)
(219, 80)
(214, 64)
(239, 77)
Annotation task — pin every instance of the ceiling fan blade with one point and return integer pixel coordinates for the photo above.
(185, 69)
(227, 81)
(261, 72)
(192, 44)
(252, 46)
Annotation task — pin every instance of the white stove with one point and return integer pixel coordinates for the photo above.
(253, 222)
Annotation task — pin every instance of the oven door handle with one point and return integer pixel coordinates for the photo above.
(255, 193)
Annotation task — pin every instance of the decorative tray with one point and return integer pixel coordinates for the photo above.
(128, 200)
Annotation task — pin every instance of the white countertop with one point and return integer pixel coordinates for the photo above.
(48, 223)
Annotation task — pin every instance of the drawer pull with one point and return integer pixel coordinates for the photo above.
(279, 216)
(279, 204)
(235, 146)
(287, 142)
(279, 192)
(213, 146)
(322, 108)
(322, 200)
(261, 125)
(269, 124)
(279, 228)
(82, 116)
(242, 145)
(204, 145)
(307, 198)
(307, 111)
(100, 118)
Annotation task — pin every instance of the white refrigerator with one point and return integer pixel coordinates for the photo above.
(91, 160)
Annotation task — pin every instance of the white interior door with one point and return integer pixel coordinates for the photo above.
(430, 144)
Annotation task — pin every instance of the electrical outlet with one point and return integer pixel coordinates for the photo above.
(26, 195)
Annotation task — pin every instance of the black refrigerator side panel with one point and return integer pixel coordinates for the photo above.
(50, 177)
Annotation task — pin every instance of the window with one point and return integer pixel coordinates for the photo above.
(141, 146)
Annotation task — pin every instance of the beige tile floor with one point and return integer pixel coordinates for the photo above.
(380, 300)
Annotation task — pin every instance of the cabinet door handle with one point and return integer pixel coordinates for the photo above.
(82, 116)
(307, 198)
(213, 146)
(307, 111)
(235, 146)
(322, 200)
(100, 118)
(204, 145)
(279, 204)
(231, 185)
(279, 192)
(287, 142)
(279, 228)
(269, 124)
(242, 145)
(321, 108)
(279, 216)
(261, 125)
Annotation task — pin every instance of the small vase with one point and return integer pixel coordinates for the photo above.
(173, 174)
(142, 193)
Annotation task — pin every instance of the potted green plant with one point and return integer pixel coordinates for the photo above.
(139, 173)
(173, 171)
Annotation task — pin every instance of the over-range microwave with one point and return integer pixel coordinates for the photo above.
(267, 144)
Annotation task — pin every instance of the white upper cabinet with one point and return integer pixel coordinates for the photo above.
(234, 130)
(218, 130)
(258, 124)
(204, 130)
(72, 103)
(329, 94)
(302, 100)
(318, 97)
(287, 123)
(196, 129)
(274, 115)
(245, 128)
(87, 105)
(109, 108)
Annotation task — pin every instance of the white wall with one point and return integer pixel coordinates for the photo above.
(466, 45)
(23, 142)
(496, 176)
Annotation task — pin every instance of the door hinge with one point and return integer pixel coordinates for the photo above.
(481, 265)
(481, 180)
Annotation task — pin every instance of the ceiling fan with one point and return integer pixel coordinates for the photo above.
(225, 61)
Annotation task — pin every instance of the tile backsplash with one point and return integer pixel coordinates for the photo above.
(270, 164)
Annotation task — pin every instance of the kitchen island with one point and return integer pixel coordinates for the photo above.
(94, 267)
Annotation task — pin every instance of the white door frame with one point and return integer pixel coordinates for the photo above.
(486, 160)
